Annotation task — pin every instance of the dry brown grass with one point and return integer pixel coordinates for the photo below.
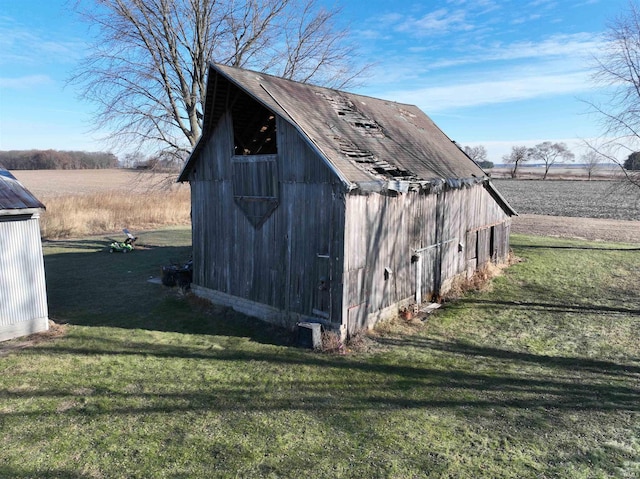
(55, 331)
(331, 343)
(479, 281)
(398, 326)
(86, 202)
(110, 211)
(356, 343)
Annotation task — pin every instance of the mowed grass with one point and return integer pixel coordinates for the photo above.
(537, 377)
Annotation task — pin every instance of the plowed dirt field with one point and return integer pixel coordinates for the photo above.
(593, 210)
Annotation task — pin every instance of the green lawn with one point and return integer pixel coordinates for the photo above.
(538, 377)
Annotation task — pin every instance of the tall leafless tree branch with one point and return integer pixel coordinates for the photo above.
(146, 72)
(617, 71)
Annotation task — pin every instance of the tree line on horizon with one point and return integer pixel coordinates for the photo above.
(546, 153)
(146, 74)
(57, 160)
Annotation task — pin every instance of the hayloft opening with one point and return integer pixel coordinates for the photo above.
(254, 128)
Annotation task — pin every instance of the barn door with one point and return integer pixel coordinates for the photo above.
(428, 269)
(428, 260)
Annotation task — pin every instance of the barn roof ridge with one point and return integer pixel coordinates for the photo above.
(364, 140)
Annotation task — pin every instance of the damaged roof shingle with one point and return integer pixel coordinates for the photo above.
(364, 139)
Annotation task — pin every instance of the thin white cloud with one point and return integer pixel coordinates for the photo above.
(19, 44)
(526, 19)
(432, 23)
(486, 5)
(483, 75)
(463, 95)
(438, 22)
(586, 2)
(574, 47)
(543, 3)
(25, 82)
(469, 20)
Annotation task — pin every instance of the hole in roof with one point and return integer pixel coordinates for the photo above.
(347, 110)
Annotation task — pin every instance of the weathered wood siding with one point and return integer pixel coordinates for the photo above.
(293, 260)
(280, 230)
(399, 247)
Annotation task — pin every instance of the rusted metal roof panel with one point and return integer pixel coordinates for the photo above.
(14, 196)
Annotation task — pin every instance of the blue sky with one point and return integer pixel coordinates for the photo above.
(496, 73)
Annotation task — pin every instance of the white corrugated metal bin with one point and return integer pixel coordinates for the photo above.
(23, 297)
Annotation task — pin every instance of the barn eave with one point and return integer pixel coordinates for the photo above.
(501, 200)
(21, 211)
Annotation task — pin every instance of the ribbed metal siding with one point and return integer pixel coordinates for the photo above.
(22, 283)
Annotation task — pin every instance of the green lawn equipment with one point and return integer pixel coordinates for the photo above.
(123, 246)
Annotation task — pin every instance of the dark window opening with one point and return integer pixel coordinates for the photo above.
(254, 129)
(254, 160)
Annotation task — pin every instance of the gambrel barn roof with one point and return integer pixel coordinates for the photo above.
(369, 143)
(14, 197)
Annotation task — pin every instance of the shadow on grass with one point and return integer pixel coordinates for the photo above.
(91, 245)
(354, 385)
(551, 307)
(8, 472)
(572, 364)
(88, 286)
(113, 290)
(594, 248)
(527, 405)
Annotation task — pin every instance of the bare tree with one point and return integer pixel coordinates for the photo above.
(591, 161)
(518, 156)
(147, 70)
(617, 70)
(550, 154)
(476, 153)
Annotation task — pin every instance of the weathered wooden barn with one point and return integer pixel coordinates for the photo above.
(23, 296)
(315, 204)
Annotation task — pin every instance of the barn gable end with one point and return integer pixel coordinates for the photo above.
(315, 204)
(245, 210)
